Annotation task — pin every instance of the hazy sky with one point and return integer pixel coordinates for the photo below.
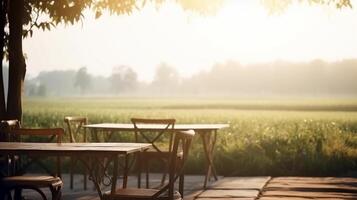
(244, 32)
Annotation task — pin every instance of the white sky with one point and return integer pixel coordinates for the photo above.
(244, 32)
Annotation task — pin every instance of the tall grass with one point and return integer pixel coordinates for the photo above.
(264, 138)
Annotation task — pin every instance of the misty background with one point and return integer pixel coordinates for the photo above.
(279, 78)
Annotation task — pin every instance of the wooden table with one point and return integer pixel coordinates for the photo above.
(207, 132)
(91, 154)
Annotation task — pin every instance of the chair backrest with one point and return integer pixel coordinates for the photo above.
(182, 143)
(75, 126)
(5, 161)
(144, 131)
(40, 134)
(5, 126)
(37, 135)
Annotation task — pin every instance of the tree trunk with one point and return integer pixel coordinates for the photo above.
(3, 11)
(17, 66)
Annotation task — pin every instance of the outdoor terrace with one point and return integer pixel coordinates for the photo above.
(242, 188)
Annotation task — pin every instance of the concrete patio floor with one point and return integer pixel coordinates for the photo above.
(193, 184)
(237, 188)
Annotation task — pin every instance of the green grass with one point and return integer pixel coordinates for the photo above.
(265, 137)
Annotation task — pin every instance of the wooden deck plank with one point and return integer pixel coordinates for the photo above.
(292, 193)
(314, 179)
(310, 188)
(302, 198)
(240, 183)
(225, 198)
(229, 194)
(234, 188)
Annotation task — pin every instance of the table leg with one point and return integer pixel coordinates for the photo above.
(97, 169)
(139, 168)
(213, 140)
(94, 174)
(208, 141)
(115, 174)
(125, 173)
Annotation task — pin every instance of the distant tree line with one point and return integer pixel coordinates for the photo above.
(316, 78)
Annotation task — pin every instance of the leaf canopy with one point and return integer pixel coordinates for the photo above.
(46, 14)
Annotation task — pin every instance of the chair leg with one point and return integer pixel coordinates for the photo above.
(56, 193)
(85, 178)
(73, 163)
(4, 193)
(181, 184)
(58, 167)
(147, 173)
(163, 178)
(8, 195)
(39, 191)
(17, 194)
(139, 169)
(71, 173)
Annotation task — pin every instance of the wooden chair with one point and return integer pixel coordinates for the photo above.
(19, 182)
(5, 161)
(158, 152)
(75, 127)
(6, 125)
(181, 143)
(76, 130)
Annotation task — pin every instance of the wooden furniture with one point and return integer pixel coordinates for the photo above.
(182, 141)
(95, 156)
(6, 125)
(19, 182)
(5, 161)
(155, 137)
(207, 133)
(76, 130)
(21, 164)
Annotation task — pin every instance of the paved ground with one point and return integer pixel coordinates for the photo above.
(193, 184)
(232, 188)
(300, 188)
(242, 188)
(282, 188)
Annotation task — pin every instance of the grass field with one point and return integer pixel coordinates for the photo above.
(265, 137)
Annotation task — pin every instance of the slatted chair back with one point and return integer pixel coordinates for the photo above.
(182, 143)
(6, 125)
(75, 126)
(5, 161)
(38, 135)
(143, 133)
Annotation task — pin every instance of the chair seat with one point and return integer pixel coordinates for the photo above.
(37, 181)
(138, 194)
